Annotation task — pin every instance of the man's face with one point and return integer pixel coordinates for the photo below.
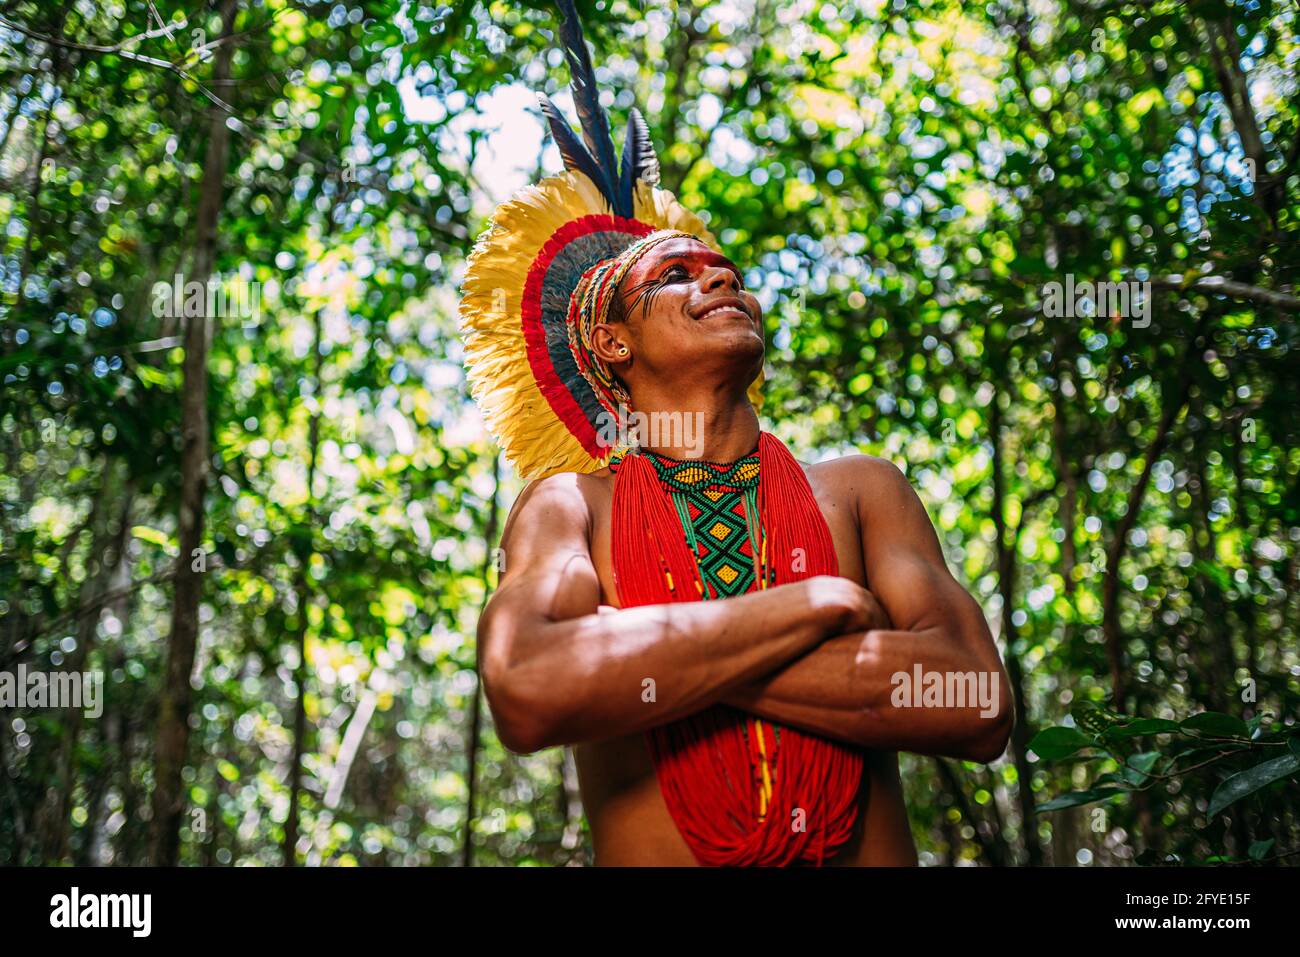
(685, 307)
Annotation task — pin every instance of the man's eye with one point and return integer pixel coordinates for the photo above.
(676, 271)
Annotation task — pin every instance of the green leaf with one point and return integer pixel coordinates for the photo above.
(1218, 575)
(1144, 726)
(1246, 782)
(156, 537)
(1139, 766)
(1093, 718)
(1051, 744)
(1076, 798)
(1258, 849)
(154, 377)
(1213, 722)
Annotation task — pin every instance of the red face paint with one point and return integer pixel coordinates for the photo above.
(694, 256)
(672, 269)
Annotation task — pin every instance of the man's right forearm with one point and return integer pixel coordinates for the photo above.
(604, 675)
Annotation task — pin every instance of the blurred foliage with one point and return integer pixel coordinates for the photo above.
(899, 179)
(1151, 759)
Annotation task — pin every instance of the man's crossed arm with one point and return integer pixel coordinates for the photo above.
(863, 688)
(817, 654)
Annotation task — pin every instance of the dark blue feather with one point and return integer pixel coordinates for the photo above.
(573, 153)
(586, 98)
(639, 160)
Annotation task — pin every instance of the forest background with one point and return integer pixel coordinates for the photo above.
(271, 530)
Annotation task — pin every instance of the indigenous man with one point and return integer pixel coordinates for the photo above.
(721, 632)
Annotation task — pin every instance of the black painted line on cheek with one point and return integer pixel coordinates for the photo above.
(648, 290)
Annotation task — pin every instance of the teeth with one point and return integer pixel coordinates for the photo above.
(719, 309)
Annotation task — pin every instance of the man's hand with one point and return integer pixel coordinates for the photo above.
(852, 608)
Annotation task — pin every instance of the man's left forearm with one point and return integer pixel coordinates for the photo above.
(858, 688)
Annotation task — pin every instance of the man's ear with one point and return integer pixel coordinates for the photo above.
(609, 343)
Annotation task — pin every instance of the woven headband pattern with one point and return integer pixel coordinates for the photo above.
(590, 303)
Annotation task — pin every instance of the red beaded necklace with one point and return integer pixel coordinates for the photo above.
(741, 790)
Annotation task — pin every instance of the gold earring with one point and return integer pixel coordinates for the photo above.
(622, 350)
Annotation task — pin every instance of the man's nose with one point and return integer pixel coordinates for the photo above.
(716, 276)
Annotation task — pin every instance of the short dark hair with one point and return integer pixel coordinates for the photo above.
(617, 308)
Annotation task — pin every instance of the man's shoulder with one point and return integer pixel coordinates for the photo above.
(857, 469)
(565, 497)
(567, 483)
(873, 485)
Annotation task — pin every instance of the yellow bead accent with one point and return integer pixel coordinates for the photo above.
(764, 792)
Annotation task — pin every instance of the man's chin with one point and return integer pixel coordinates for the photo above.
(745, 343)
(740, 349)
(738, 334)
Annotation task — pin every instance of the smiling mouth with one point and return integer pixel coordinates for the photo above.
(724, 309)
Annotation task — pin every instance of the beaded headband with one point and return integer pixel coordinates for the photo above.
(590, 304)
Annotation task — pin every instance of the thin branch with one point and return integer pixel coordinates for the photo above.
(157, 345)
(1232, 288)
(94, 605)
(119, 48)
(476, 705)
(1262, 860)
(1110, 624)
(116, 50)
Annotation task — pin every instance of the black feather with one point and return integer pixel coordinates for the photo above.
(639, 160)
(586, 98)
(573, 153)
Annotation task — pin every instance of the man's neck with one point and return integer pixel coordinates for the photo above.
(713, 428)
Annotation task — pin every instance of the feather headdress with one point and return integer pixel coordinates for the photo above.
(522, 273)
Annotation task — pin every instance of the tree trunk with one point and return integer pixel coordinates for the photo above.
(173, 734)
(990, 848)
(1119, 543)
(1221, 674)
(33, 212)
(571, 805)
(1246, 608)
(109, 547)
(1225, 53)
(476, 704)
(303, 589)
(1020, 733)
(1066, 473)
